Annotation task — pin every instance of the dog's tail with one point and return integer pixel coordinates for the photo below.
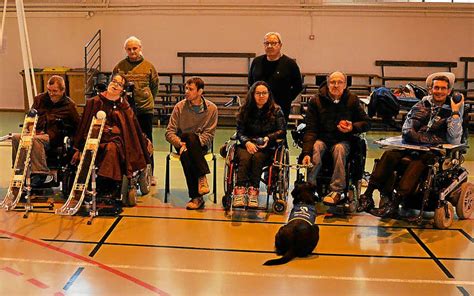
(287, 257)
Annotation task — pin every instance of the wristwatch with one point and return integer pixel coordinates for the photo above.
(456, 113)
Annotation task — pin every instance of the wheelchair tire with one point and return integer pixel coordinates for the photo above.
(144, 180)
(128, 193)
(279, 206)
(440, 219)
(465, 203)
(132, 197)
(67, 181)
(226, 202)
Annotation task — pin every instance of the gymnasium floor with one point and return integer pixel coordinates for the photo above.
(158, 248)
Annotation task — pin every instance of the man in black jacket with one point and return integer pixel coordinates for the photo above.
(333, 116)
(279, 71)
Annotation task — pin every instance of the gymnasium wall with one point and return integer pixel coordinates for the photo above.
(349, 41)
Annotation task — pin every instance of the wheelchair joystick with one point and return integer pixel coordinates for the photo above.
(457, 98)
(259, 141)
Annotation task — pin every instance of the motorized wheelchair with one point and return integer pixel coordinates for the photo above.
(444, 183)
(275, 176)
(354, 170)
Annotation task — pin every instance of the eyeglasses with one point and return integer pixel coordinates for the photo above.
(336, 82)
(273, 43)
(132, 48)
(261, 93)
(117, 83)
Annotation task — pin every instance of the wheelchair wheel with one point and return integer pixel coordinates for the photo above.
(144, 180)
(128, 193)
(226, 202)
(279, 206)
(283, 182)
(67, 181)
(443, 219)
(465, 203)
(229, 171)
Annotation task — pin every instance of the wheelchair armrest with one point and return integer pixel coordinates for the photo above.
(234, 137)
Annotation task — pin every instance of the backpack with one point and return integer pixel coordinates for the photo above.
(383, 104)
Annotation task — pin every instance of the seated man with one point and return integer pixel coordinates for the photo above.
(435, 119)
(57, 118)
(333, 115)
(191, 131)
(123, 146)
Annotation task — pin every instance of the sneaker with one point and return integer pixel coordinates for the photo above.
(240, 195)
(195, 203)
(333, 198)
(203, 186)
(253, 197)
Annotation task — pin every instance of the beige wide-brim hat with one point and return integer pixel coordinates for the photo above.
(449, 75)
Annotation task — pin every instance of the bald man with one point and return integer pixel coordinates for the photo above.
(333, 115)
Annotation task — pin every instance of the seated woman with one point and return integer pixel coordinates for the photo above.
(260, 123)
(123, 147)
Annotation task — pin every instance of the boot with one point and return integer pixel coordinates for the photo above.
(365, 203)
(389, 209)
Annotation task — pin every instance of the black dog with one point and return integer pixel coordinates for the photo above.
(300, 235)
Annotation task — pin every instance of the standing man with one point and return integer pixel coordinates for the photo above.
(333, 116)
(57, 118)
(278, 70)
(143, 74)
(191, 131)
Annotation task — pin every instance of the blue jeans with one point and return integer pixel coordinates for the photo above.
(339, 152)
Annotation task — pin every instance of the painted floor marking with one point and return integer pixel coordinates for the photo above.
(254, 274)
(88, 260)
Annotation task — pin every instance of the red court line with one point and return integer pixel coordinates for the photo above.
(38, 284)
(58, 294)
(12, 271)
(88, 260)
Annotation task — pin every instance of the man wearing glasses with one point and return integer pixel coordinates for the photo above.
(333, 116)
(57, 118)
(436, 119)
(143, 75)
(278, 70)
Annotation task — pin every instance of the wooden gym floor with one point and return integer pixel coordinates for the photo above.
(158, 248)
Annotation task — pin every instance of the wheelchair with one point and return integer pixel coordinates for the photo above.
(355, 170)
(444, 184)
(275, 176)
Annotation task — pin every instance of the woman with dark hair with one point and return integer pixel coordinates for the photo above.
(123, 146)
(260, 123)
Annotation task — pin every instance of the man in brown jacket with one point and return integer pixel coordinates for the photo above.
(57, 118)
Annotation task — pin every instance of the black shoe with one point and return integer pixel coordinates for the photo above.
(37, 180)
(388, 210)
(365, 203)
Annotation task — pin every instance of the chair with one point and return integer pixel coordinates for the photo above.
(173, 156)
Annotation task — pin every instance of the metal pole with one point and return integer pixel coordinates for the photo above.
(26, 66)
(28, 48)
(3, 22)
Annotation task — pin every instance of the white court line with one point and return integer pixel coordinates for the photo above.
(252, 274)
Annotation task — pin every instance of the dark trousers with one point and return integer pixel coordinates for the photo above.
(146, 124)
(250, 166)
(193, 162)
(383, 176)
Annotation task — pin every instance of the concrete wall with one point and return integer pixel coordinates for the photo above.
(348, 41)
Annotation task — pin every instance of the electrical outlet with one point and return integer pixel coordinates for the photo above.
(311, 37)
